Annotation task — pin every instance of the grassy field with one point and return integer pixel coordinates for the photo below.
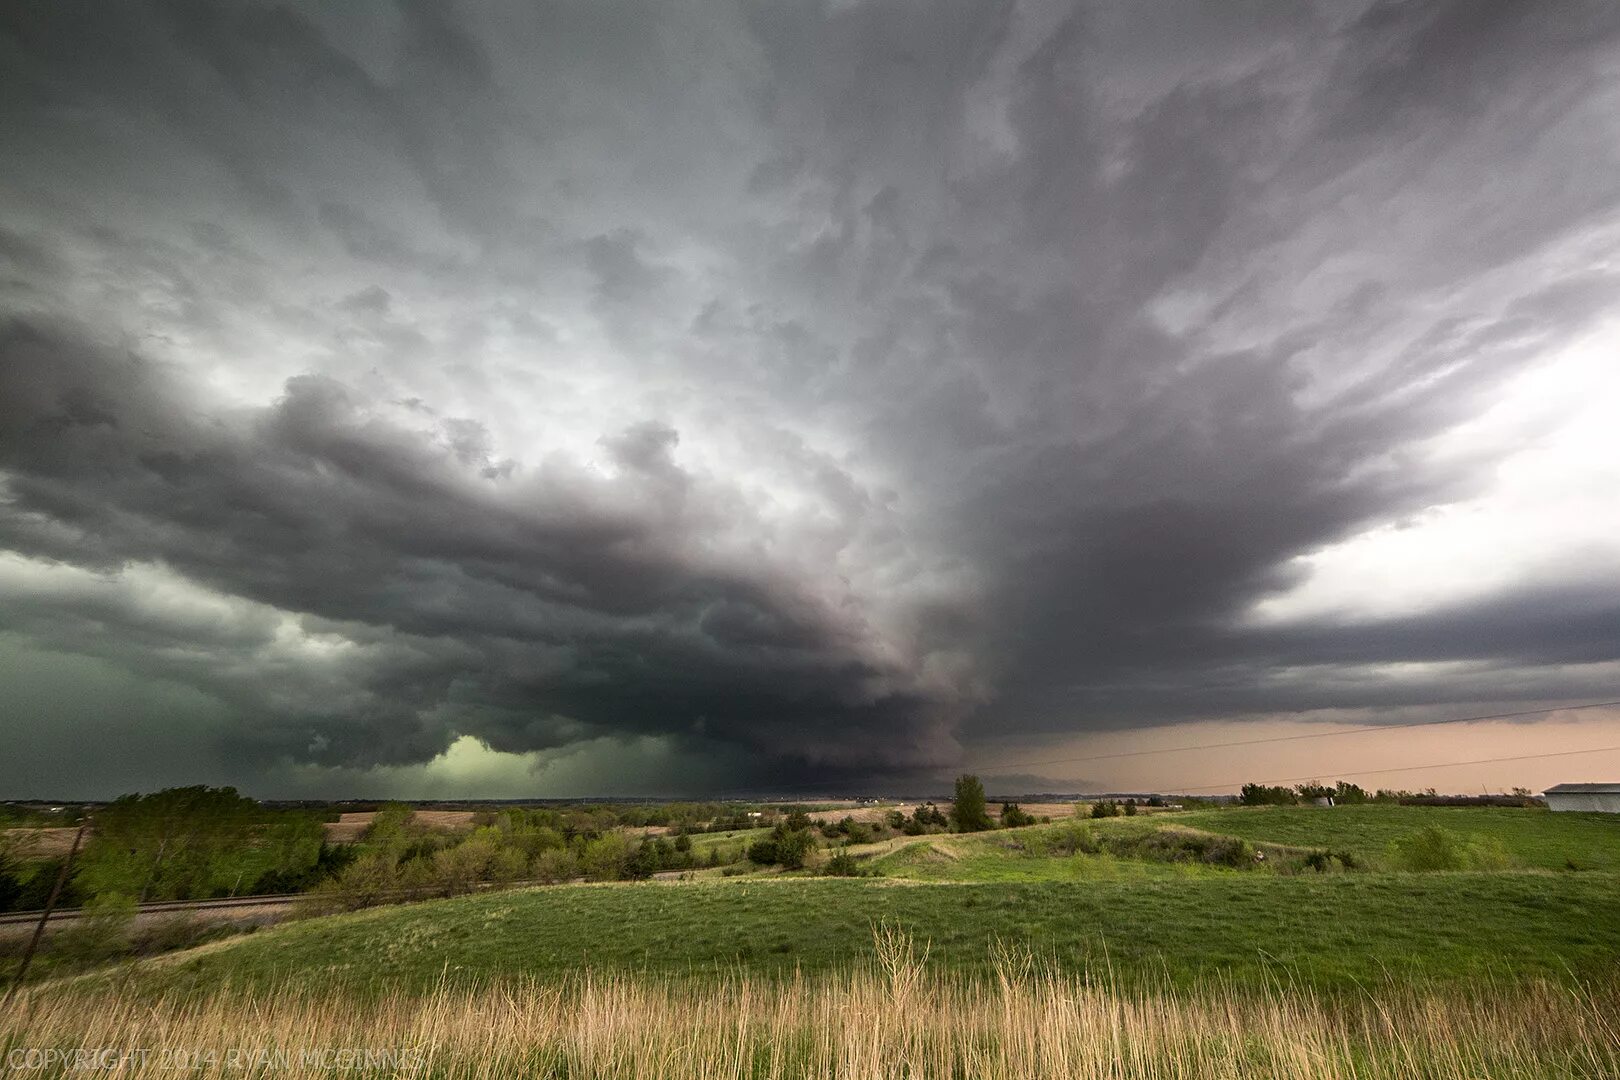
(992, 859)
(1330, 931)
(1144, 946)
(1531, 838)
(891, 1018)
(703, 843)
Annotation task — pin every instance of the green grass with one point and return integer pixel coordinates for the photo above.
(735, 838)
(989, 859)
(1332, 931)
(1532, 838)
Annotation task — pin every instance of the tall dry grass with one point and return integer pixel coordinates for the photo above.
(893, 1019)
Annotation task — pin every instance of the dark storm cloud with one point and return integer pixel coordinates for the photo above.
(508, 604)
(829, 382)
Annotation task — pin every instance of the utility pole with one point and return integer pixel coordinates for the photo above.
(50, 905)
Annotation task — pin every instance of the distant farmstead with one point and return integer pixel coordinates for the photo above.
(1599, 798)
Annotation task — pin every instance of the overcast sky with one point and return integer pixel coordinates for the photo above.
(504, 399)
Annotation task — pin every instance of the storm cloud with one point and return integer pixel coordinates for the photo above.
(837, 392)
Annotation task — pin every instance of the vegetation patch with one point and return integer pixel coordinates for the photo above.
(1249, 928)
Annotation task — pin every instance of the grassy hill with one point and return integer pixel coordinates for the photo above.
(1530, 838)
(1329, 931)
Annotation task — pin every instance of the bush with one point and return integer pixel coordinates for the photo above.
(1325, 861)
(604, 858)
(370, 879)
(1433, 848)
(1013, 816)
(843, 864)
(554, 865)
(102, 932)
(787, 847)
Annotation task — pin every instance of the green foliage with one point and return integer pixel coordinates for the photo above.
(1013, 816)
(786, 846)
(604, 858)
(1348, 794)
(197, 842)
(968, 810)
(1434, 848)
(391, 825)
(102, 932)
(1266, 795)
(843, 864)
(555, 865)
(1529, 837)
(11, 877)
(1105, 808)
(1340, 930)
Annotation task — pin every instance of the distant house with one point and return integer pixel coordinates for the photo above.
(1601, 798)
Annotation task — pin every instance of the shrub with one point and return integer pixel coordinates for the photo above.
(1075, 838)
(554, 865)
(1433, 848)
(785, 846)
(604, 858)
(1013, 816)
(370, 879)
(1324, 861)
(843, 864)
(457, 870)
(102, 932)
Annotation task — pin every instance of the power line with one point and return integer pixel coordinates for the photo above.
(1403, 768)
(1361, 730)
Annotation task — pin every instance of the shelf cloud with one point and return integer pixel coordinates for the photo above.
(686, 397)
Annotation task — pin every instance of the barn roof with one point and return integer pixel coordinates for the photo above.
(1584, 789)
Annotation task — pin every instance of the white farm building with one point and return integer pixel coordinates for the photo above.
(1602, 798)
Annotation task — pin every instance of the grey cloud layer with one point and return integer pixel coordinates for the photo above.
(526, 607)
(833, 383)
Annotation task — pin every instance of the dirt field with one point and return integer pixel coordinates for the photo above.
(863, 814)
(41, 843)
(1053, 810)
(347, 829)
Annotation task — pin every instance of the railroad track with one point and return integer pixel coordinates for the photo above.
(13, 918)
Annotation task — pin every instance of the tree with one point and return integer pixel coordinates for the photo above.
(193, 842)
(1348, 794)
(555, 864)
(968, 811)
(1264, 795)
(604, 857)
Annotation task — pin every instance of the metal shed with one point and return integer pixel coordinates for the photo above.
(1599, 798)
